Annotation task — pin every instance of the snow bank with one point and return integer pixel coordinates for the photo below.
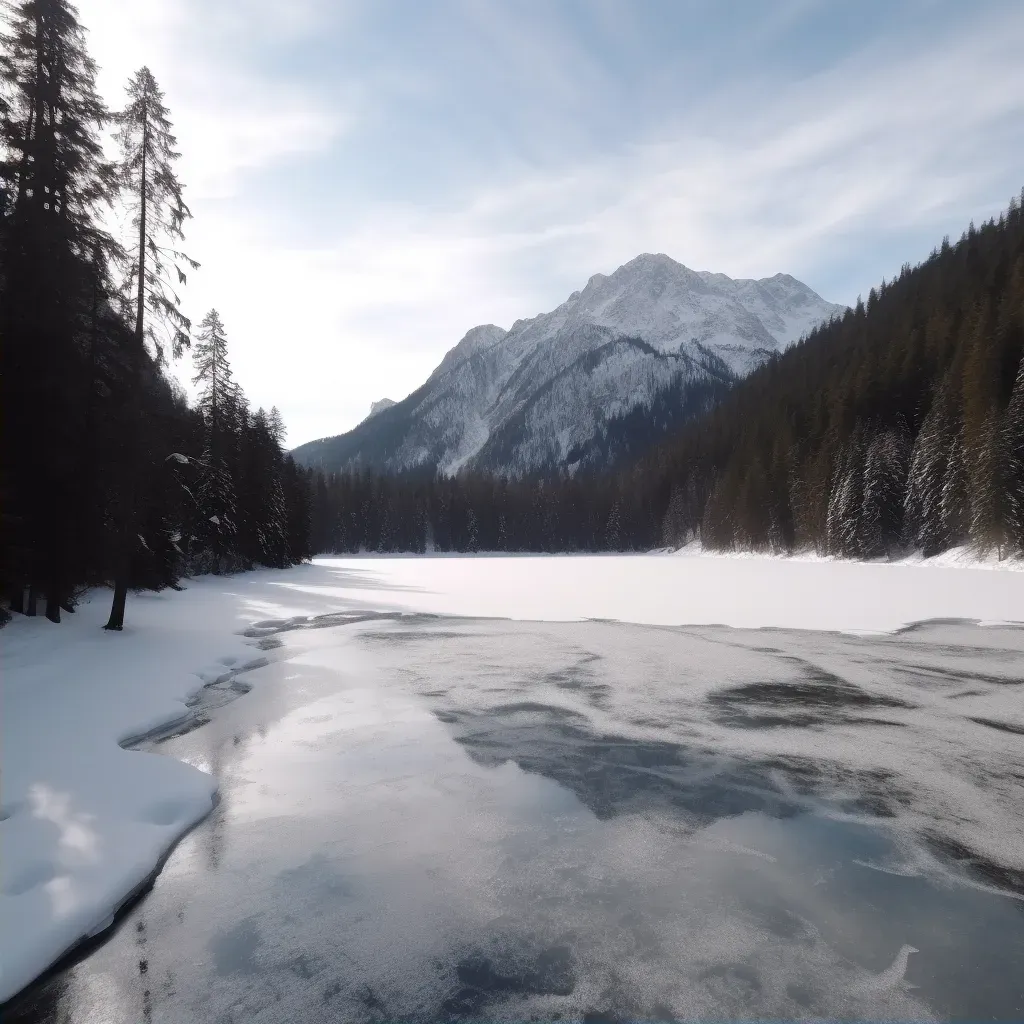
(84, 821)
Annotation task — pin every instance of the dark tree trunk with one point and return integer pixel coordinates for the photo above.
(124, 568)
(33, 597)
(18, 598)
(116, 620)
(53, 574)
(124, 563)
(90, 523)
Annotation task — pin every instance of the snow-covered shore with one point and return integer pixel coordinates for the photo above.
(85, 822)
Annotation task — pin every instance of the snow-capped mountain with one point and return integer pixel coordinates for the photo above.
(611, 369)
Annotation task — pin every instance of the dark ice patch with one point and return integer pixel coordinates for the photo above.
(976, 865)
(613, 774)
(819, 698)
(234, 951)
(483, 980)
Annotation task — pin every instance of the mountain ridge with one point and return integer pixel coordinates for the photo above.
(544, 394)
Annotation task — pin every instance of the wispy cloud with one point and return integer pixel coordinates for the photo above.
(230, 115)
(359, 214)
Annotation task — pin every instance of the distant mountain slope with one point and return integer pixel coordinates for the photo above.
(574, 386)
(379, 406)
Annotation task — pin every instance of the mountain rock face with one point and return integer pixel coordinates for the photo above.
(379, 406)
(607, 373)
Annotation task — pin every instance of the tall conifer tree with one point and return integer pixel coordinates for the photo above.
(54, 179)
(154, 195)
(219, 402)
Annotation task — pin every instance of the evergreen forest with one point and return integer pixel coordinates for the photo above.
(108, 475)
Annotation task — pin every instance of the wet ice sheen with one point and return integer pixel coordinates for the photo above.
(450, 819)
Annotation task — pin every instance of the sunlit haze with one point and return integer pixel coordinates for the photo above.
(369, 180)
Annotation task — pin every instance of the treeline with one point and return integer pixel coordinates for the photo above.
(895, 427)
(246, 503)
(368, 511)
(107, 475)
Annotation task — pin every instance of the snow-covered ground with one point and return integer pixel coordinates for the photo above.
(691, 588)
(85, 822)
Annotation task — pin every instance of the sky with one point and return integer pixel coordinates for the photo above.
(370, 179)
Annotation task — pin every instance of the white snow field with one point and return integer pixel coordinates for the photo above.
(689, 588)
(84, 822)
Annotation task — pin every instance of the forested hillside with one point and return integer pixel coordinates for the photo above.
(107, 474)
(898, 426)
(901, 424)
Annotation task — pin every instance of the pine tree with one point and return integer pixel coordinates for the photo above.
(928, 462)
(261, 504)
(613, 528)
(298, 501)
(885, 485)
(990, 515)
(751, 512)
(213, 374)
(1013, 449)
(54, 179)
(54, 173)
(275, 424)
(214, 527)
(159, 212)
(216, 524)
(849, 526)
(955, 500)
(674, 528)
(809, 491)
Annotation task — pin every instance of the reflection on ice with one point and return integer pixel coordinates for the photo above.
(874, 726)
(434, 820)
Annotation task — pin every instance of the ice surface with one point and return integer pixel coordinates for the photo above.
(84, 822)
(459, 819)
(882, 726)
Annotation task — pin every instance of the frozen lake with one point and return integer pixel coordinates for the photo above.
(430, 818)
